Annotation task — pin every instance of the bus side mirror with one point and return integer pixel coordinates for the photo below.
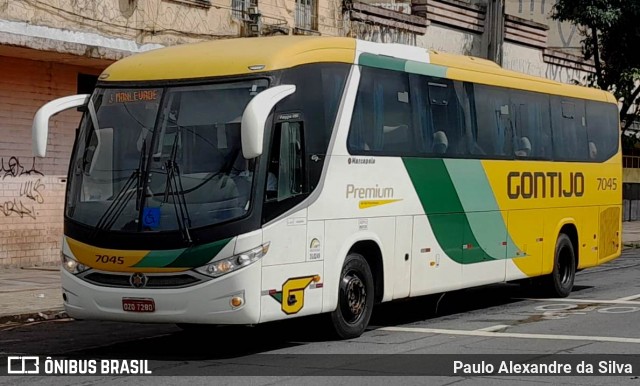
(255, 117)
(40, 128)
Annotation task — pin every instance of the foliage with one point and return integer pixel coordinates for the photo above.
(611, 30)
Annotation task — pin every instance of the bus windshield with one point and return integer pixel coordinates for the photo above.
(162, 159)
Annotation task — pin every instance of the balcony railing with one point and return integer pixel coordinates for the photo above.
(631, 161)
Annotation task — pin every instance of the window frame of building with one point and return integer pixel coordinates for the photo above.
(306, 15)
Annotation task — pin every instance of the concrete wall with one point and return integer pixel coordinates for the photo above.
(562, 36)
(550, 65)
(452, 40)
(32, 190)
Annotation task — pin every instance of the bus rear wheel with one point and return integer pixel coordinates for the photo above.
(355, 298)
(560, 282)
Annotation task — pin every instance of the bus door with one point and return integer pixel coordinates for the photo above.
(292, 266)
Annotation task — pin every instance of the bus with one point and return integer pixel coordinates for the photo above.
(249, 180)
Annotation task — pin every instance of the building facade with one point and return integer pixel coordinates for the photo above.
(53, 48)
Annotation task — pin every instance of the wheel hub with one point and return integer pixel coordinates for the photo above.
(356, 295)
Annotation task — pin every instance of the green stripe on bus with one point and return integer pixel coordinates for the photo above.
(159, 259)
(480, 205)
(426, 69)
(441, 204)
(380, 61)
(199, 255)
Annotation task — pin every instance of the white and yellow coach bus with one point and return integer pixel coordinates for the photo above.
(250, 180)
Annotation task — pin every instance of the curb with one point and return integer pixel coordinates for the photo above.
(45, 268)
(31, 317)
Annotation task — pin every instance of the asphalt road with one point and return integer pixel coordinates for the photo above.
(602, 316)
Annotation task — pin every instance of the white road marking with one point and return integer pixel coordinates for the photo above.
(632, 297)
(618, 310)
(587, 301)
(492, 334)
(497, 327)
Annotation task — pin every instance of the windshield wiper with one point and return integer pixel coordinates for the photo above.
(174, 188)
(119, 203)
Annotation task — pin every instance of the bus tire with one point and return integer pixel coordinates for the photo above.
(355, 298)
(560, 282)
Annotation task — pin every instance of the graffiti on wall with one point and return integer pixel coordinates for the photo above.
(532, 66)
(565, 74)
(30, 192)
(534, 62)
(13, 168)
(562, 35)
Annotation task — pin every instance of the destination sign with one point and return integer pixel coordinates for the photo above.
(133, 96)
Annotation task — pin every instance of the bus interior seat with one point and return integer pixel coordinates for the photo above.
(440, 142)
(524, 147)
(395, 137)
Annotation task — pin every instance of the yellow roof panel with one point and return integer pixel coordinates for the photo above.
(483, 71)
(230, 57)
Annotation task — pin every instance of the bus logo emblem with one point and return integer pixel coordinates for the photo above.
(138, 280)
(291, 297)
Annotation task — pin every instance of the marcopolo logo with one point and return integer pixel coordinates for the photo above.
(361, 161)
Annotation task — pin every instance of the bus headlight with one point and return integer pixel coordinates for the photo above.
(233, 263)
(72, 265)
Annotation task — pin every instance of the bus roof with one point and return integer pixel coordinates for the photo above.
(478, 70)
(238, 56)
(231, 57)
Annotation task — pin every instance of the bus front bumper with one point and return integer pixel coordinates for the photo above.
(209, 302)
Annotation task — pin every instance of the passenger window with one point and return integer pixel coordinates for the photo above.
(382, 118)
(568, 123)
(447, 118)
(532, 136)
(494, 120)
(603, 131)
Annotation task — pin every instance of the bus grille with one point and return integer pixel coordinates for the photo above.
(153, 280)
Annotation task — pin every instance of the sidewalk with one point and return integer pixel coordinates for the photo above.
(32, 294)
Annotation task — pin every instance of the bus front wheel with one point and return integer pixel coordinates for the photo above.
(560, 282)
(355, 298)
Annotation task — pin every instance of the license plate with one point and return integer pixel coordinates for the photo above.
(138, 305)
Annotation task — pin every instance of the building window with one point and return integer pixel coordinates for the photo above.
(239, 8)
(86, 83)
(306, 14)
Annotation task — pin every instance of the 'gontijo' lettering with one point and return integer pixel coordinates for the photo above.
(544, 184)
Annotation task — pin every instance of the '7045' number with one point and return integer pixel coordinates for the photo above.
(607, 183)
(106, 259)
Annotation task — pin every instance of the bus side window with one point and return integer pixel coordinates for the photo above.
(448, 116)
(602, 130)
(382, 117)
(532, 128)
(494, 121)
(568, 123)
(285, 173)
